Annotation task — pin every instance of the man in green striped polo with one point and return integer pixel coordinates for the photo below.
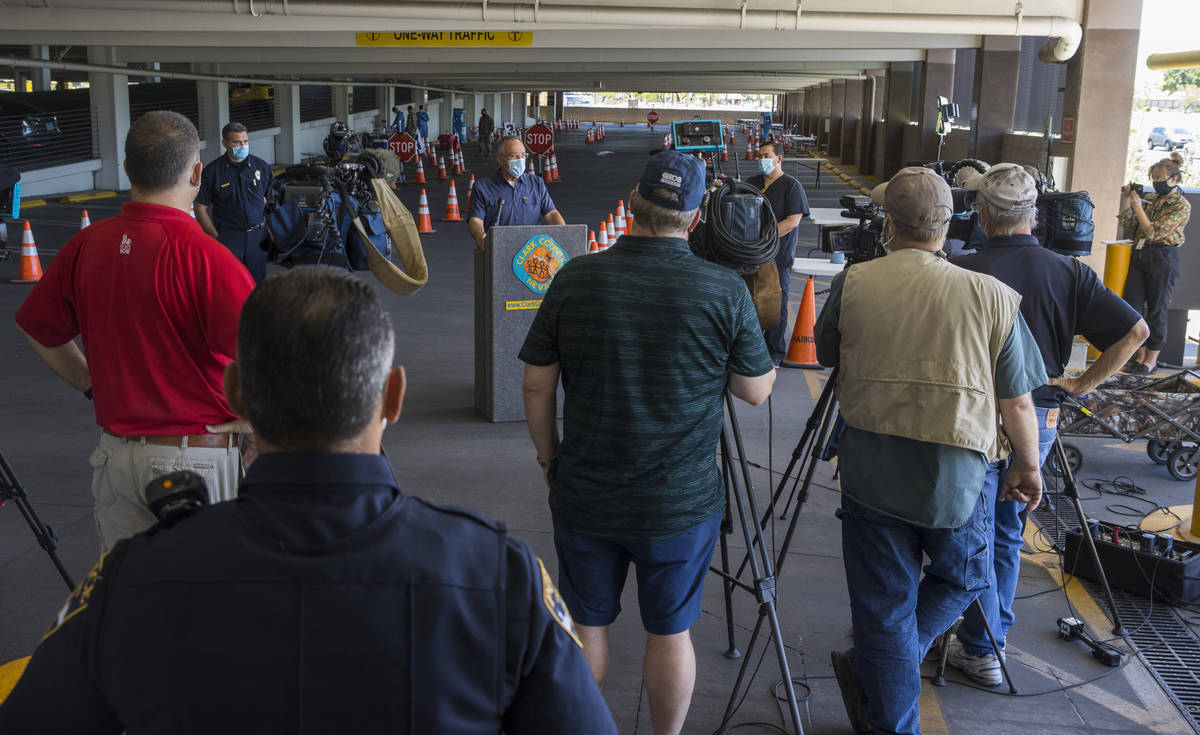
(646, 338)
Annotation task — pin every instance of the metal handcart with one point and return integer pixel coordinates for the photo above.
(1165, 411)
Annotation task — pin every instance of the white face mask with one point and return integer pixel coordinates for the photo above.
(766, 165)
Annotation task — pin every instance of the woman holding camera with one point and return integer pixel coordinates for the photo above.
(1154, 268)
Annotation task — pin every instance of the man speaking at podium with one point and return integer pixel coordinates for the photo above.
(511, 197)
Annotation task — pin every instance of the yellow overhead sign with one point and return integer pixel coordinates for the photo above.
(507, 39)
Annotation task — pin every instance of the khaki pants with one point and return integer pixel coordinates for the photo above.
(121, 469)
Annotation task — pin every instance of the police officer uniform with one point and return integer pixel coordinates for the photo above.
(322, 600)
(235, 194)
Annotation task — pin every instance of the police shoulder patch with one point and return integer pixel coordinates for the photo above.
(554, 603)
(78, 601)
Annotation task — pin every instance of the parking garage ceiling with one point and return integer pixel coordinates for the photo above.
(661, 45)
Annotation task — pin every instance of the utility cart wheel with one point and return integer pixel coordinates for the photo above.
(1182, 462)
(1074, 460)
(1158, 450)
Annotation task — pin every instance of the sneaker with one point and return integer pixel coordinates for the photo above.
(853, 696)
(983, 669)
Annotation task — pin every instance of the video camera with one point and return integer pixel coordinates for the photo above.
(859, 242)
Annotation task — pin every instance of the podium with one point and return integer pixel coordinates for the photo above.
(512, 274)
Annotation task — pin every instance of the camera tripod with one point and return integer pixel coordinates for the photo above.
(738, 486)
(11, 489)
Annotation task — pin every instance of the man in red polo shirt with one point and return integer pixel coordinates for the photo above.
(156, 302)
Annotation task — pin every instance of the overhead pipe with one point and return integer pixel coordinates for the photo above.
(1177, 60)
(1065, 33)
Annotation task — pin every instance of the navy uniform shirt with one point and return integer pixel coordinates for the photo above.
(646, 335)
(1060, 298)
(526, 201)
(322, 600)
(235, 193)
(786, 197)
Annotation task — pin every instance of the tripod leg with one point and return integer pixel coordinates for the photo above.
(939, 676)
(1072, 492)
(737, 684)
(1012, 688)
(784, 669)
(11, 488)
(726, 529)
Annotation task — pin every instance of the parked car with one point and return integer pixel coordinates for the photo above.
(24, 127)
(1169, 138)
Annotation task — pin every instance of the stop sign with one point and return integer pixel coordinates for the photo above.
(539, 139)
(652, 117)
(403, 145)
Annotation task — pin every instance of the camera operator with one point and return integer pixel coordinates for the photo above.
(786, 196)
(928, 356)
(1154, 268)
(1060, 297)
(232, 200)
(511, 197)
(156, 301)
(635, 476)
(324, 599)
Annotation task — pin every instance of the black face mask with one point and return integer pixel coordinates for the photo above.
(1162, 188)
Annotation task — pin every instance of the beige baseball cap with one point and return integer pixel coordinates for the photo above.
(916, 196)
(1005, 186)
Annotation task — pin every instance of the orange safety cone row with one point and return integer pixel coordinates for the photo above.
(593, 245)
(470, 191)
(31, 264)
(85, 221)
(420, 172)
(424, 221)
(452, 213)
(802, 350)
(441, 175)
(619, 220)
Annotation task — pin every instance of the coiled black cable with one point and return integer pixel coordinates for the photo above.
(719, 246)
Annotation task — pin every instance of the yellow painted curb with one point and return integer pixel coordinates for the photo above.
(75, 198)
(31, 203)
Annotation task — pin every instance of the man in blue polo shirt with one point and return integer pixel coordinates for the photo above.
(1060, 297)
(233, 197)
(646, 338)
(510, 197)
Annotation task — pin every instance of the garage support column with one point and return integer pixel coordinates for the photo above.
(837, 108)
(40, 77)
(937, 80)
(824, 109)
(287, 143)
(341, 103)
(213, 98)
(851, 122)
(1099, 88)
(109, 95)
(812, 100)
(997, 67)
(384, 101)
(901, 79)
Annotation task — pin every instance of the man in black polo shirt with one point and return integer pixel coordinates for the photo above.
(646, 338)
(786, 197)
(1060, 297)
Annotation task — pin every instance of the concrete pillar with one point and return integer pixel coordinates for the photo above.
(341, 103)
(837, 108)
(213, 99)
(287, 143)
(109, 95)
(852, 122)
(901, 79)
(384, 99)
(1099, 92)
(824, 108)
(997, 66)
(40, 77)
(872, 115)
(937, 80)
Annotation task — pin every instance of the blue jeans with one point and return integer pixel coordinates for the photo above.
(897, 613)
(1006, 558)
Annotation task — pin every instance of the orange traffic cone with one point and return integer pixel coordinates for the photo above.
(452, 214)
(554, 168)
(461, 166)
(420, 172)
(749, 149)
(85, 221)
(593, 245)
(724, 154)
(424, 221)
(470, 190)
(31, 265)
(603, 241)
(612, 229)
(619, 220)
(802, 350)
(546, 174)
(441, 169)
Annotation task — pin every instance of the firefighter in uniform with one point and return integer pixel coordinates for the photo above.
(233, 198)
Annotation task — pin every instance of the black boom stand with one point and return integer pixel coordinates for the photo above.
(10, 489)
(738, 485)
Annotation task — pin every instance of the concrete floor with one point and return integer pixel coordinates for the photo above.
(442, 450)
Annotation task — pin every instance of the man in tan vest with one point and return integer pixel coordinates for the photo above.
(930, 357)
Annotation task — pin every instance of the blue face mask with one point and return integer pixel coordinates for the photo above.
(239, 152)
(766, 165)
(516, 167)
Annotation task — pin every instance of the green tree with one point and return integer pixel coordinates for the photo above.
(1177, 80)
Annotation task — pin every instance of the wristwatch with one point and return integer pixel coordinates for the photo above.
(544, 463)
